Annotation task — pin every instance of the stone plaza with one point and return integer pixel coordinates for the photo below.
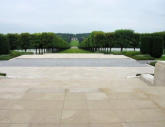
(79, 90)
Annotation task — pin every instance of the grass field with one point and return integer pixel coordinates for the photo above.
(13, 54)
(135, 55)
(74, 50)
(74, 44)
(162, 59)
(2, 74)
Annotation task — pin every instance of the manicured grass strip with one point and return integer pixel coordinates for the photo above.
(2, 74)
(162, 58)
(5, 57)
(74, 44)
(13, 54)
(153, 63)
(74, 50)
(142, 57)
(134, 54)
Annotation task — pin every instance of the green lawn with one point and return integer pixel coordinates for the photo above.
(138, 56)
(5, 57)
(2, 74)
(13, 54)
(134, 54)
(74, 50)
(74, 44)
(142, 57)
(162, 58)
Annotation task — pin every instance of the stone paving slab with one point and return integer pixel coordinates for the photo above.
(72, 55)
(64, 73)
(132, 109)
(79, 97)
(72, 62)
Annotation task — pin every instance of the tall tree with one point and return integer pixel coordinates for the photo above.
(134, 40)
(25, 41)
(4, 44)
(123, 37)
(13, 41)
(109, 40)
(47, 40)
(35, 41)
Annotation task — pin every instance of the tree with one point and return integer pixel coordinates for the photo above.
(123, 37)
(47, 40)
(109, 40)
(35, 41)
(134, 40)
(13, 41)
(97, 39)
(4, 44)
(60, 44)
(25, 41)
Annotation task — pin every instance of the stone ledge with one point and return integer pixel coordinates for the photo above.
(147, 78)
(159, 78)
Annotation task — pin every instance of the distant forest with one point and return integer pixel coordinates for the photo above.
(67, 37)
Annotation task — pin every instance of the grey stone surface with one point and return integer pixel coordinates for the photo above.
(159, 78)
(79, 97)
(147, 78)
(64, 62)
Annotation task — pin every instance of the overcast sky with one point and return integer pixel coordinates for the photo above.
(81, 16)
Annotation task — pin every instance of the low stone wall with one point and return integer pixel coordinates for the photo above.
(159, 75)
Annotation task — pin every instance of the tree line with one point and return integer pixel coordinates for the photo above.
(68, 37)
(42, 42)
(99, 40)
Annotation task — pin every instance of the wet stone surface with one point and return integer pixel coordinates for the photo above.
(71, 62)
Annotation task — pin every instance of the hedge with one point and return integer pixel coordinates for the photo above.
(145, 46)
(4, 44)
(152, 44)
(157, 47)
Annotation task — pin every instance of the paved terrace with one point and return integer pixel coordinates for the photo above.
(78, 96)
(72, 60)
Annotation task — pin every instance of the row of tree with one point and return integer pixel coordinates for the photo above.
(99, 40)
(119, 38)
(42, 42)
(68, 37)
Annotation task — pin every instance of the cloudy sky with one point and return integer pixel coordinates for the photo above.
(81, 16)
